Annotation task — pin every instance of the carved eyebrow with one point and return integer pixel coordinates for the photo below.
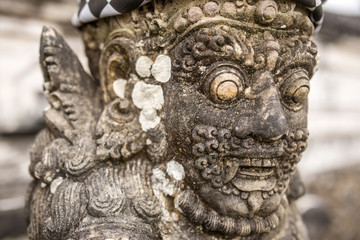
(298, 72)
(304, 61)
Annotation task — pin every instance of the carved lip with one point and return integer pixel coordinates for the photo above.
(249, 185)
(255, 174)
(258, 162)
(264, 153)
(259, 169)
(250, 169)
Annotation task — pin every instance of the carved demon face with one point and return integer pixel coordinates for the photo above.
(202, 120)
(226, 99)
(236, 115)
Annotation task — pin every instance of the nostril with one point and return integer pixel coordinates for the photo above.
(268, 125)
(276, 138)
(273, 127)
(244, 127)
(241, 132)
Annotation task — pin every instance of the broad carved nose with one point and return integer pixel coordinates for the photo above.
(267, 120)
(270, 123)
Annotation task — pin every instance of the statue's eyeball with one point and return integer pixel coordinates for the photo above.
(295, 89)
(300, 94)
(224, 85)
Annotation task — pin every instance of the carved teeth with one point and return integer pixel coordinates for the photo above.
(244, 195)
(253, 176)
(258, 172)
(245, 162)
(250, 169)
(266, 163)
(265, 195)
(255, 162)
(236, 192)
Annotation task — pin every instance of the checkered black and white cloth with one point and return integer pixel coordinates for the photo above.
(316, 11)
(92, 10)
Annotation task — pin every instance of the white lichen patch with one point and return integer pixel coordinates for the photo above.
(161, 183)
(133, 77)
(143, 66)
(119, 88)
(202, 69)
(175, 170)
(55, 184)
(148, 142)
(161, 69)
(140, 44)
(148, 118)
(147, 95)
(163, 187)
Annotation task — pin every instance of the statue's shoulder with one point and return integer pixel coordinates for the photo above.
(119, 204)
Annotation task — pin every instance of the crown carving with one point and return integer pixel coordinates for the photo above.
(278, 15)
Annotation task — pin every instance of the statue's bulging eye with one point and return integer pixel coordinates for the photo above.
(300, 94)
(295, 89)
(224, 85)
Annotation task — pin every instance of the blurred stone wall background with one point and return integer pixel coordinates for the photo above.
(330, 167)
(21, 98)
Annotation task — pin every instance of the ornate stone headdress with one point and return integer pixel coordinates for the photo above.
(92, 10)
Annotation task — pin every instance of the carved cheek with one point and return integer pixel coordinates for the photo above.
(296, 119)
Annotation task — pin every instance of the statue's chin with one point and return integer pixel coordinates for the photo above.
(248, 204)
(230, 214)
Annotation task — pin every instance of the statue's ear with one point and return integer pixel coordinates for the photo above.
(116, 62)
(296, 187)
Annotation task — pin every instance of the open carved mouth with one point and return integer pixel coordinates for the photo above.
(250, 174)
(256, 168)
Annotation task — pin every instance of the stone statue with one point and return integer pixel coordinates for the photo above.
(190, 126)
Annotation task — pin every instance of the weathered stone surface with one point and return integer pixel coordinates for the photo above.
(206, 152)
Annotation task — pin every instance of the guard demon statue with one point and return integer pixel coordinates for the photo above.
(190, 128)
